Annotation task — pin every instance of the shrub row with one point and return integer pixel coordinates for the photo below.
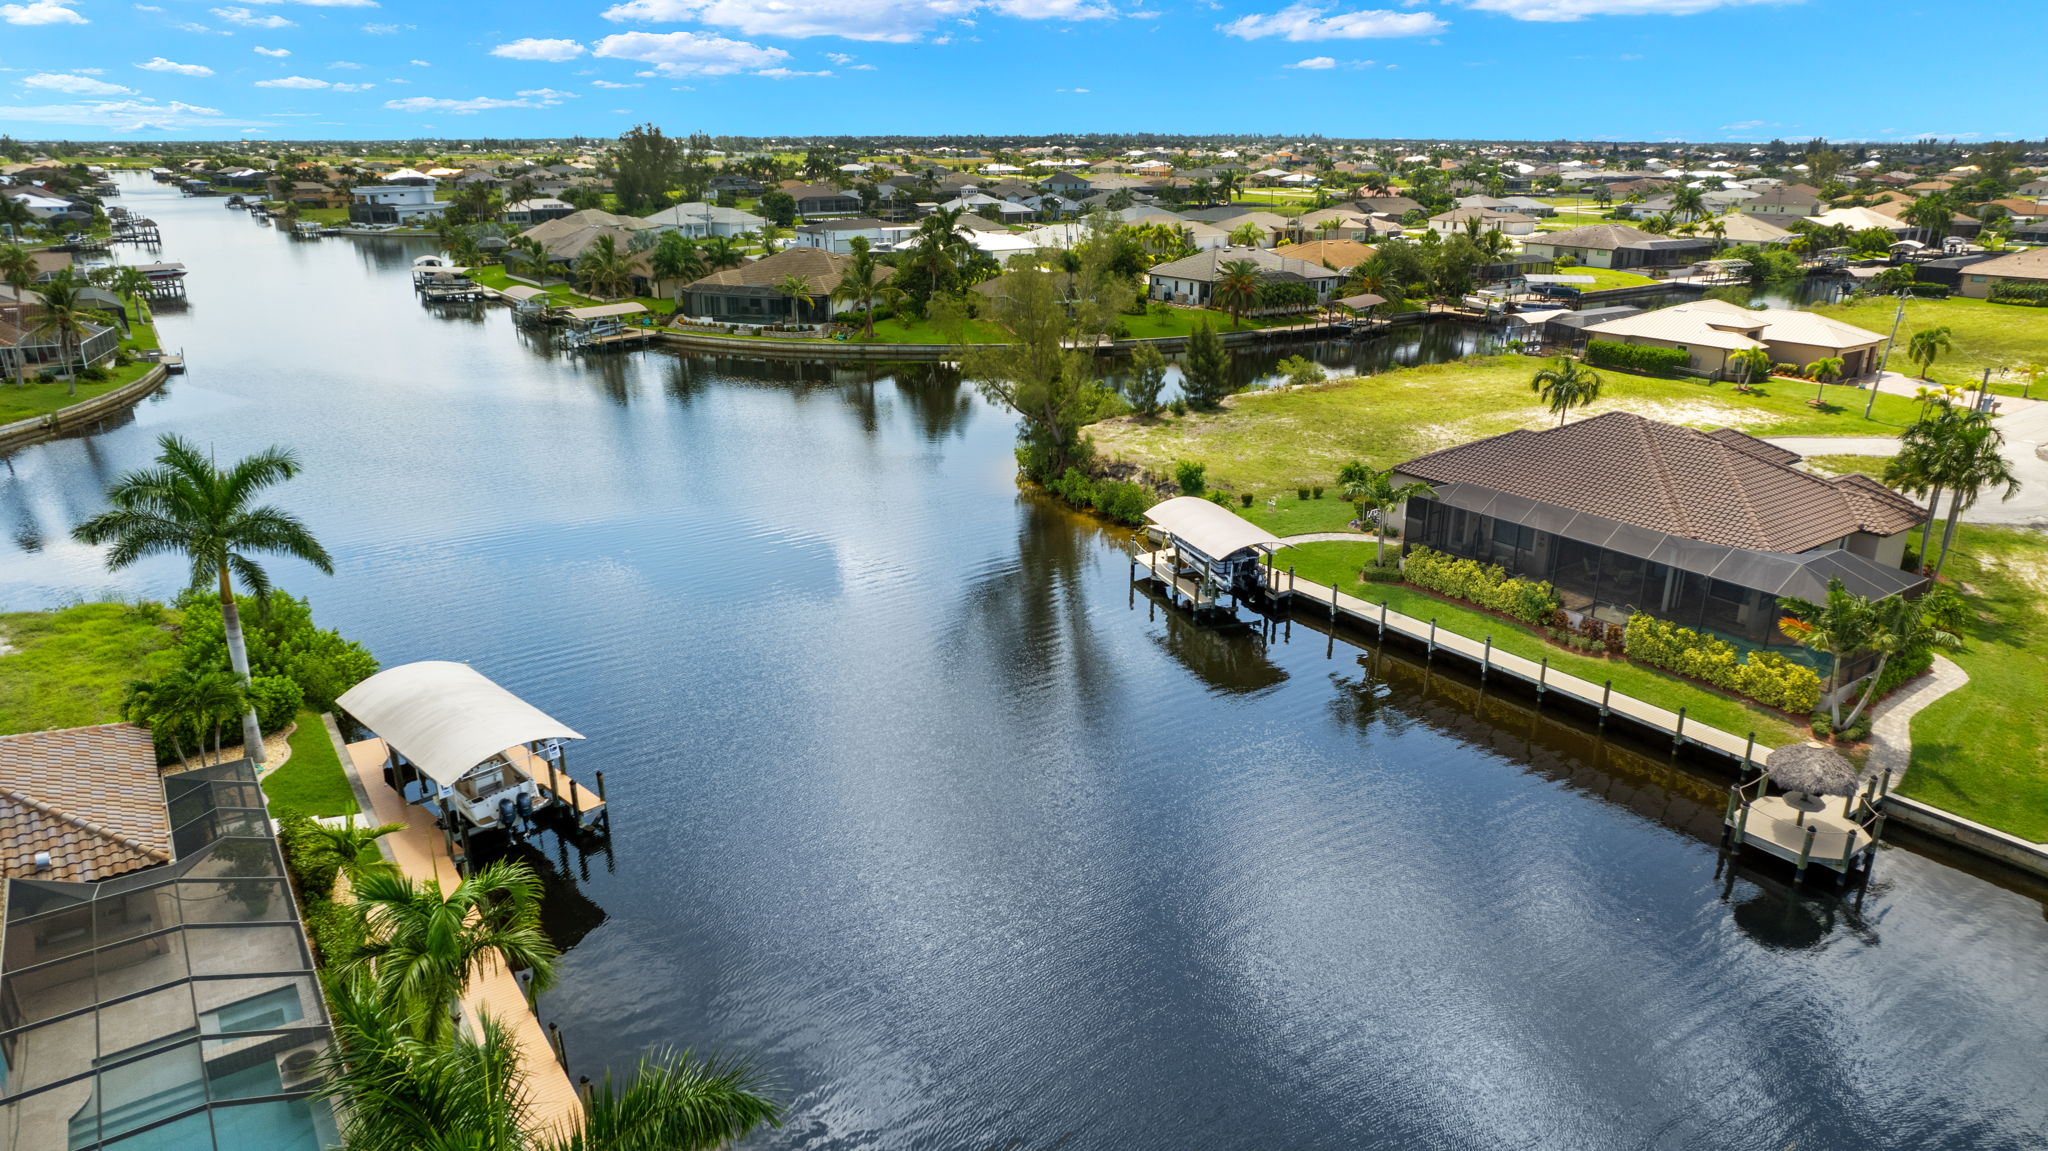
(1763, 676)
(1118, 500)
(1487, 585)
(2014, 292)
(1635, 357)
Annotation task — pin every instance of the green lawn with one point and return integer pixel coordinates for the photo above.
(1982, 751)
(1182, 321)
(1285, 513)
(34, 399)
(899, 330)
(72, 667)
(1337, 564)
(1872, 466)
(311, 782)
(1986, 335)
(1605, 279)
(1273, 441)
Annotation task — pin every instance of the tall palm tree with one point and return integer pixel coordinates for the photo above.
(1839, 629)
(1688, 204)
(15, 216)
(721, 252)
(676, 259)
(859, 284)
(424, 945)
(1927, 345)
(1565, 385)
(189, 507)
(1898, 625)
(1237, 286)
(604, 269)
(66, 316)
(1229, 182)
(1376, 492)
(768, 234)
(525, 257)
(131, 285)
(1931, 214)
(1247, 235)
(798, 290)
(352, 846)
(1975, 461)
(399, 1092)
(19, 269)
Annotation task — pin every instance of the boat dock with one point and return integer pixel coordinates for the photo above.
(1806, 832)
(417, 851)
(606, 340)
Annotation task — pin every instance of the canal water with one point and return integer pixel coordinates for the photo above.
(917, 804)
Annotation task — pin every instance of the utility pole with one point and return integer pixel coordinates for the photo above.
(1871, 400)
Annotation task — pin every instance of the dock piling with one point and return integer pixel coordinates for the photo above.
(1805, 853)
(1432, 635)
(1486, 657)
(600, 787)
(1678, 732)
(1542, 678)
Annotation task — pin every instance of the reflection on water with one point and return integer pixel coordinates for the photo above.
(918, 803)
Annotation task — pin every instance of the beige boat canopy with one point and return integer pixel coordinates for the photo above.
(446, 717)
(606, 311)
(1215, 531)
(522, 292)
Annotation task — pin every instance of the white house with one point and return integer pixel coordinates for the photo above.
(837, 236)
(42, 204)
(394, 204)
(699, 220)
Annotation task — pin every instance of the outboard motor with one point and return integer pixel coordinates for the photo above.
(508, 817)
(524, 804)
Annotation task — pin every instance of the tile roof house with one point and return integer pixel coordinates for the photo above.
(88, 796)
(1709, 330)
(2030, 267)
(752, 293)
(1784, 202)
(1623, 513)
(1193, 280)
(1617, 246)
(1338, 255)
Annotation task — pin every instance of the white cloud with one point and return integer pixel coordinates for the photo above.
(532, 49)
(201, 29)
(1566, 10)
(1080, 91)
(159, 64)
(346, 64)
(419, 63)
(147, 8)
(787, 73)
(311, 83)
(612, 84)
(689, 53)
(248, 19)
(325, 3)
(1315, 63)
(73, 83)
(1053, 9)
(839, 58)
(124, 116)
(892, 21)
(278, 52)
(549, 96)
(388, 29)
(862, 68)
(458, 107)
(41, 12)
(1308, 21)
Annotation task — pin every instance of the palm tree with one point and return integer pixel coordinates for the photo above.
(1565, 385)
(132, 285)
(676, 259)
(1228, 183)
(798, 290)
(1932, 214)
(1376, 492)
(399, 1092)
(1688, 204)
(604, 270)
(1200, 189)
(1926, 346)
(66, 316)
(1898, 625)
(1839, 628)
(1247, 235)
(768, 234)
(424, 945)
(353, 845)
(1975, 461)
(187, 701)
(525, 257)
(187, 506)
(1237, 286)
(860, 283)
(19, 269)
(15, 216)
(721, 252)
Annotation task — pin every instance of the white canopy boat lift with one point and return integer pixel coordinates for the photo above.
(477, 756)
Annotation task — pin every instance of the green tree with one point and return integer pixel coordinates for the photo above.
(1237, 286)
(604, 270)
(1205, 373)
(1973, 462)
(355, 848)
(1042, 375)
(677, 261)
(186, 506)
(1840, 628)
(722, 252)
(645, 165)
(399, 1092)
(1926, 346)
(1565, 385)
(1932, 214)
(1247, 235)
(1141, 387)
(860, 283)
(797, 290)
(1899, 625)
(768, 236)
(1377, 495)
(66, 316)
(423, 945)
(779, 207)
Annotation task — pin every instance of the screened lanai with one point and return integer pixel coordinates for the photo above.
(1608, 569)
(169, 1009)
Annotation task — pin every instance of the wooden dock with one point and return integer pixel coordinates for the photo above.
(419, 851)
(1836, 834)
(630, 337)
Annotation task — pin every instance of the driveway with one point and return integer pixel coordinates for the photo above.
(2025, 426)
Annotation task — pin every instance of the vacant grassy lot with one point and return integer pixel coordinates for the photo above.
(311, 782)
(1270, 442)
(71, 668)
(1338, 564)
(1982, 751)
(1986, 335)
(1872, 466)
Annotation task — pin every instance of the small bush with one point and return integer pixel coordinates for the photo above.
(96, 375)
(277, 699)
(1122, 501)
(1246, 499)
(1301, 493)
(1767, 677)
(1389, 572)
(1488, 585)
(1318, 492)
(1178, 407)
(1190, 477)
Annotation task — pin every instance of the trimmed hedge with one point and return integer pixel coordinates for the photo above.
(2015, 292)
(1764, 676)
(1487, 585)
(1636, 357)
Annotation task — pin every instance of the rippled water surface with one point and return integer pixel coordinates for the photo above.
(972, 848)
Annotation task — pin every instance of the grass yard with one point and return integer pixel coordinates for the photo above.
(22, 402)
(1182, 321)
(1982, 750)
(1337, 564)
(1605, 279)
(1986, 335)
(1287, 514)
(311, 782)
(72, 667)
(1268, 442)
(1872, 466)
(898, 330)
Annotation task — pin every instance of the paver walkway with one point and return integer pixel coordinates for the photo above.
(1891, 727)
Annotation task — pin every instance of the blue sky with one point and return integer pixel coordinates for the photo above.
(1584, 69)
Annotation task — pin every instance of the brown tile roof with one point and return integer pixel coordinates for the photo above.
(2031, 264)
(1675, 480)
(822, 268)
(90, 796)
